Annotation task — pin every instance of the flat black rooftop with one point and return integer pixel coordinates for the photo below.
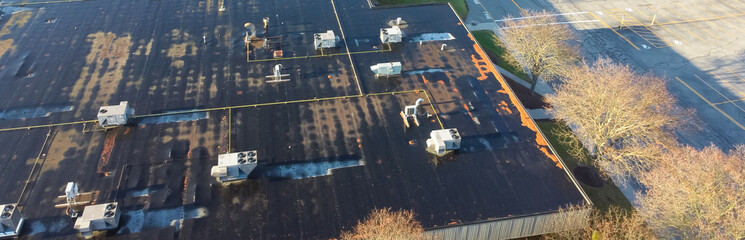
(328, 153)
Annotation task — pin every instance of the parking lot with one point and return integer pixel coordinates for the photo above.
(695, 45)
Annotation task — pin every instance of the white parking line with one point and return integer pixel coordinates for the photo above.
(582, 21)
(550, 15)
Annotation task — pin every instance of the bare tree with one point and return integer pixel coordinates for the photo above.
(696, 194)
(620, 116)
(538, 44)
(615, 223)
(387, 224)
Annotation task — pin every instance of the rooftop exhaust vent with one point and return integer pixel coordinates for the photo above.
(411, 111)
(278, 76)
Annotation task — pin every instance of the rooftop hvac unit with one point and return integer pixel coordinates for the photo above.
(444, 141)
(386, 69)
(234, 166)
(391, 35)
(98, 217)
(112, 116)
(10, 220)
(324, 40)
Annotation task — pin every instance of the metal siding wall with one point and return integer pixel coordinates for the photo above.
(525, 226)
(473, 232)
(483, 232)
(515, 227)
(512, 227)
(463, 233)
(509, 228)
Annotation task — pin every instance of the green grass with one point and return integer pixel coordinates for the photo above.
(604, 197)
(459, 5)
(492, 44)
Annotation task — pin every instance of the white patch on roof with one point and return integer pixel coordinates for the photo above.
(428, 37)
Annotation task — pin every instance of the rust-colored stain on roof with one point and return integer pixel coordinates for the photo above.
(484, 67)
(467, 110)
(504, 107)
(108, 146)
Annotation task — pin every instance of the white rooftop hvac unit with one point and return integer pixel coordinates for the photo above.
(112, 116)
(234, 166)
(98, 217)
(10, 220)
(391, 35)
(324, 40)
(386, 69)
(442, 141)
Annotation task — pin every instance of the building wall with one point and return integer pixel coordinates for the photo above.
(513, 227)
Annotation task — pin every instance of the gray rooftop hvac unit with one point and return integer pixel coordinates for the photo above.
(234, 166)
(391, 35)
(98, 217)
(386, 69)
(324, 40)
(10, 220)
(443, 141)
(112, 116)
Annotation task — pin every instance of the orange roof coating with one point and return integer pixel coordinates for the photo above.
(484, 66)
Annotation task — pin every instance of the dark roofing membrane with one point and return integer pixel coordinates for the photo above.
(324, 164)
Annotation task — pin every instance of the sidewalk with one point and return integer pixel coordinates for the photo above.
(539, 114)
(542, 88)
